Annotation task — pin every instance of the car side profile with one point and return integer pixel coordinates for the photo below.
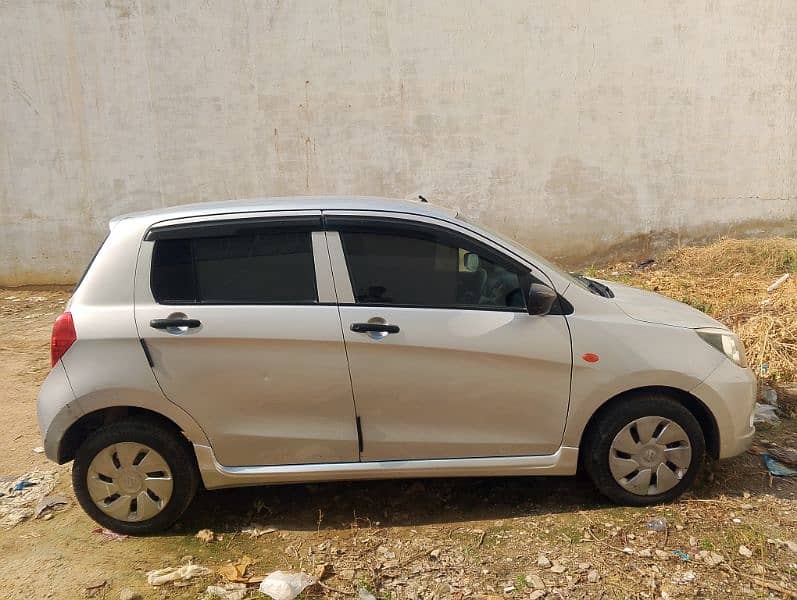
(338, 338)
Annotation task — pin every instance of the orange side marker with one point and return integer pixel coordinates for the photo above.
(591, 358)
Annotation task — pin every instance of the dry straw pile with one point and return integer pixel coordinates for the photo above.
(729, 281)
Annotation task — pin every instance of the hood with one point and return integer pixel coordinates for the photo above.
(650, 307)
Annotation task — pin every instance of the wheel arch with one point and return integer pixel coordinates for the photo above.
(78, 431)
(701, 412)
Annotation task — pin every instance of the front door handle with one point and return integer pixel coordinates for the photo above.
(167, 323)
(373, 328)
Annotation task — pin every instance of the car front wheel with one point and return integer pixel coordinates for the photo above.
(644, 449)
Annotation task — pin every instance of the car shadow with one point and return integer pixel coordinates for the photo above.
(392, 503)
(417, 502)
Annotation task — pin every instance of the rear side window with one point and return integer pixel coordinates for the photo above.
(264, 266)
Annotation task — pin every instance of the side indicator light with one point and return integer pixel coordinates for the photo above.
(590, 357)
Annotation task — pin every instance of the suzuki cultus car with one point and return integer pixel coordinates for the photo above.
(333, 338)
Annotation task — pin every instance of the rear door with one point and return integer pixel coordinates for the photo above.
(240, 321)
(445, 360)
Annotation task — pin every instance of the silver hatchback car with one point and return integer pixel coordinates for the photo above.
(336, 338)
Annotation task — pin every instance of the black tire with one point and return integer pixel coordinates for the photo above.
(598, 440)
(165, 440)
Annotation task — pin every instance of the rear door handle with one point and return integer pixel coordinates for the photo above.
(166, 323)
(374, 328)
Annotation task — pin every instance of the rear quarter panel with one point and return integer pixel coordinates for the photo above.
(107, 366)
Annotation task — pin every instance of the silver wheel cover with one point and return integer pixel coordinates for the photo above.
(650, 456)
(130, 481)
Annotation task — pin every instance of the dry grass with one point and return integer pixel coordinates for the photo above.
(729, 280)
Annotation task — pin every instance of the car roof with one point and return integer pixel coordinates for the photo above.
(288, 203)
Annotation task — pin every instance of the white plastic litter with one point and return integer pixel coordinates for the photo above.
(770, 396)
(183, 573)
(285, 586)
(228, 591)
(778, 282)
(765, 413)
(21, 495)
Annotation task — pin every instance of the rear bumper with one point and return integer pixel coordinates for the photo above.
(730, 392)
(56, 410)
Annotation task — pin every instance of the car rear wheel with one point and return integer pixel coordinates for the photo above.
(134, 476)
(644, 449)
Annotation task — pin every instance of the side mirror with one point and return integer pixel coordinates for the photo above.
(541, 299)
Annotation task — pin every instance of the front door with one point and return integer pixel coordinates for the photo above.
(240, 321)
(445, 360)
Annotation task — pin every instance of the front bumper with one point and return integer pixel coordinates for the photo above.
(730, 393)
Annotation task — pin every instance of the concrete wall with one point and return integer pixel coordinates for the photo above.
(573, 126)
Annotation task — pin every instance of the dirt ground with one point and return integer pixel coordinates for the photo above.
(428, 539)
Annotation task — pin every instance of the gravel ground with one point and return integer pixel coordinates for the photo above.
(452, 538)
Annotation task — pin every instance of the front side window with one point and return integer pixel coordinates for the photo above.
(251, 267)
(428, 270)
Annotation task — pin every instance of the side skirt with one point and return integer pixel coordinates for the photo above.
(214, 475)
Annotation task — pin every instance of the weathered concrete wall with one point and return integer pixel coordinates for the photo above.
(572, 125)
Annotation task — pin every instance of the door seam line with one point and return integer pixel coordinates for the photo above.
(360, 441)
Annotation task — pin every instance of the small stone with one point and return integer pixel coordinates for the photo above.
(737, 520)
(435, 553)
(322, 571)
(679, 527)
(645, 553)
(543, 562)
(628, 550)
(128, 594)
(711, 559)
(661, 554)
(558, 569)
(745, 551)
(536, 595)
(584, 566)
(362, 594)
(535, 581)
(593, 576)
(685, 578)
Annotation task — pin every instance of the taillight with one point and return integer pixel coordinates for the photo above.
(64, 335)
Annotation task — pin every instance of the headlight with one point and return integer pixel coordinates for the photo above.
(726, 342)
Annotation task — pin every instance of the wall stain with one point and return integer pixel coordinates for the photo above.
(15, 85)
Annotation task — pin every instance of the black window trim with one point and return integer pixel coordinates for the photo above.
(228, 227)
(402, 226)
(326, 222)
